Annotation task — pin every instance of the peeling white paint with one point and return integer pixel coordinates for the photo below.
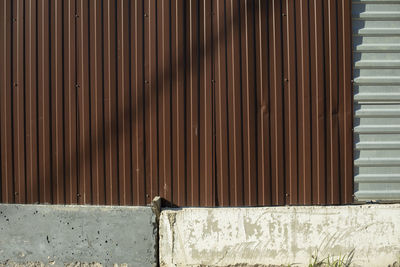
(279, 235)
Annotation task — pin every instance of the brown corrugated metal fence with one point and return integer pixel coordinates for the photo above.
(203, 102)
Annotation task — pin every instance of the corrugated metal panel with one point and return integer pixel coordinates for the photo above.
(376, 39)
(204, 102)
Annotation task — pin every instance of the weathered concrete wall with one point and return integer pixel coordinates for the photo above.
(64, 234)
(279, 235)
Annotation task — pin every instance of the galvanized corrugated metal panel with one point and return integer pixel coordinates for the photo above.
(376, 39)
(204, 102)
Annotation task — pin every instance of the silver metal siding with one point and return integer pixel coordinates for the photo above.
(376, 47)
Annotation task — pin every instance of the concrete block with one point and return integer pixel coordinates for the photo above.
(279, 235)
(55, 235)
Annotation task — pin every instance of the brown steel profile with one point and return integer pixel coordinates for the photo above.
(234, 134)
(56, 91)
(31, 128)
(219, 85)
(18, 94)
(248, 102)
(347, 100)
(84, 194)
(6, 118)
(290, 102)
(150, 98)
(124, 116)
(110, 102)
(164, 99)
(192, 104)
(276, 102)
(44, 103)
(263, 103)
(96, 104)
(206, 174)
(70, 101)
(178, 54)
(331, 85)
(318, 106)
(203, 102)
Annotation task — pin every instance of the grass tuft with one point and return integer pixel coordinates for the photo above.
(330, 261)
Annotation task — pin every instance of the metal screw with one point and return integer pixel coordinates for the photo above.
(145, 14)
(263, 108)
(283, 14)
(78, 195)
(147, 195)
(286, 79)
(76, 16)
(146, 81)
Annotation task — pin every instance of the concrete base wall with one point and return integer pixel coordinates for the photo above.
(279, 235)
(63, 234)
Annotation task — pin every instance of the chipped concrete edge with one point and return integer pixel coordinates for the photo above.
(156, 208)
(279, 235)
(166, 237)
